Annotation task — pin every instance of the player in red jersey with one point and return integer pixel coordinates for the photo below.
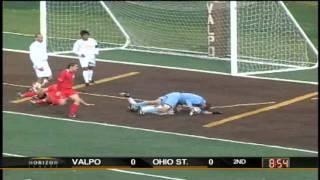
(57, 94)
(65, 83)
(50, 95)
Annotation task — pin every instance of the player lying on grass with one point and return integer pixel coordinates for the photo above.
(51, 95)
(57, 94)
(170, 103)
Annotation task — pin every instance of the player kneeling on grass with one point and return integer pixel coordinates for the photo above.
(169, 103)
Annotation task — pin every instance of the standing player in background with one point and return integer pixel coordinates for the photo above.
(86, 49)
(39, 58)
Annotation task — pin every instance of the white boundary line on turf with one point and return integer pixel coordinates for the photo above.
(124, 98)
(116, 170)
(13, 155)
(246, 104)
(143, 174)
(175, 68)
(163, 132)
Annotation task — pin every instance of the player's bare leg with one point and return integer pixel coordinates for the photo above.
(45, 81)
(76, 104)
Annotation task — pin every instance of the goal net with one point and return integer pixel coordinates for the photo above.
(65, 19)
(254, 37)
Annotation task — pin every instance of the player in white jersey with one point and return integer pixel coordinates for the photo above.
(86, 49)
(39, 58)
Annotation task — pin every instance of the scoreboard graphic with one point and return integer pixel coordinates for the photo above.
(155, 162)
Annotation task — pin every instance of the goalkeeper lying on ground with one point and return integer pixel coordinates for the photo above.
(171, 103)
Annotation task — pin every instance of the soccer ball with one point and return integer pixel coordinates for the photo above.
(36, 87)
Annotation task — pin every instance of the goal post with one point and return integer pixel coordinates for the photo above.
(251, 37)
(264, 38)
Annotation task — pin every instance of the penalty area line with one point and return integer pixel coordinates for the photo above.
(137, 99)
(90, 94)
(261, 110)
(246, 104)
(161, 132)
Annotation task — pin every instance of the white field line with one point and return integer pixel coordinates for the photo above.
(16, 85)
(19, 34)
(163, 132)
(90, 94)
(144, 174)
(124, 98)
(246, 104)
(13, 155)
(175, 68)
(116, 170)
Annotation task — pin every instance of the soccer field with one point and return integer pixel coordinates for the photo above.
(107, 129)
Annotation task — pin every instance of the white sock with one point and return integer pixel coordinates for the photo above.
(85, 76)
(90, 73)
(131, 101)
(44, 82)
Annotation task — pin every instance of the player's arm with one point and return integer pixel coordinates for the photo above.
(189, 105)
(96, 50)
(76, 49)
(61, 77)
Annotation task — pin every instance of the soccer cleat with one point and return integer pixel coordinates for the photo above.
(170, 112)
(20, 95)
(87, 84)
(33, 101)
(132, 108)
(216, 112)
(140, 112)
(72, 115)
(92, 81)
(125, 94)
(38, 101)
(132, 101)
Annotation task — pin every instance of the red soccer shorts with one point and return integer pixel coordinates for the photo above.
(69, 92)
(55, 96)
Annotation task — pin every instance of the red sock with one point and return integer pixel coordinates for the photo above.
(73, 108)
(29, 94)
